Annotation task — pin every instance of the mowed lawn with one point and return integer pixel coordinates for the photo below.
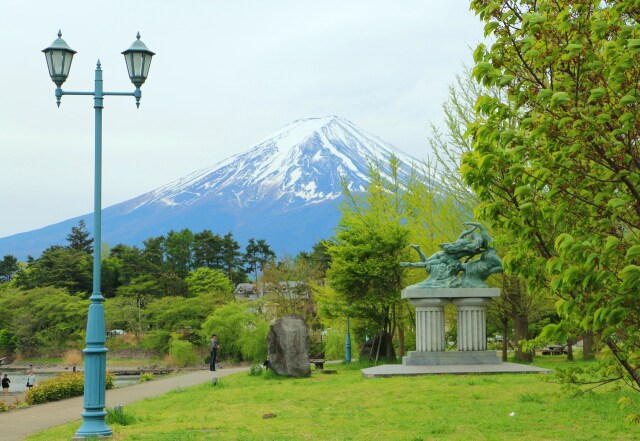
(346, 406)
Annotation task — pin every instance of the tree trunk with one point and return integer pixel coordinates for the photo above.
(505, 339)
(400, 341)
(587, 346)
(569, 350)
(521, 329)
(518, 298)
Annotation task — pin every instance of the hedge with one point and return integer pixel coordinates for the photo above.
(65, 385)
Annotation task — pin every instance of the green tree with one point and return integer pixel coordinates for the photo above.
(238, 329)
(129, 262)
(207, 250)
(123, 313)
(207, 280)
(365, 254)
(178, 247)
(256, 255)
(43, 321)
(153, 255)
(289, 288)
(518, 306)
(8, 267)
(78, 239)
(556, 164)
(318, 260)
(60, 267)
(232, 259)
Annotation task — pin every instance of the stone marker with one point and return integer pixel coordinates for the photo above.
(288, 347)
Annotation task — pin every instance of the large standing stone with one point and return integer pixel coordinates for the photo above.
(288, 346)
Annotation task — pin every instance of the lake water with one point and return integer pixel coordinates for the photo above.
(19, 380)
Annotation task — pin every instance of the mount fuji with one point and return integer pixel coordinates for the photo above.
(285, 189)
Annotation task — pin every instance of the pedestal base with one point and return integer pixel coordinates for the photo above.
(416, 358)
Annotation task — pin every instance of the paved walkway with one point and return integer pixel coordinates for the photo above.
(17, 424)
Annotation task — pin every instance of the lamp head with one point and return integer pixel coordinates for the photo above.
(138, 59)
(59, 56)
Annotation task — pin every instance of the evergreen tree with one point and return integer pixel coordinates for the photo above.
(8, 267)
(256, 256)
(232, 259)
(79, 239)
(208, 250)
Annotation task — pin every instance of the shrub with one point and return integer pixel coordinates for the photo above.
(253, 341)
(146, 376)
(182, 352)
(4, 407)
(255, 370)
(62, 386)
(157, 340)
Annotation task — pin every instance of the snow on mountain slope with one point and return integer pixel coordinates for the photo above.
(301, 163)
(285, 189)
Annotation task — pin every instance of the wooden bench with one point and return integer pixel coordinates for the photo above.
(318, 362)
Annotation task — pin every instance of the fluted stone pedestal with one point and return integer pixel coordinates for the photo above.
(472, 323)
(472, 328)
(430, 319)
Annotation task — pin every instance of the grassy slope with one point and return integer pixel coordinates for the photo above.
(346, 406)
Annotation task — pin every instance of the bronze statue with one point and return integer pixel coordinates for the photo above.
(444, 266)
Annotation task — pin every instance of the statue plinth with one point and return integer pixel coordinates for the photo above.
(443, 358)
(416, 292)
(430, 326)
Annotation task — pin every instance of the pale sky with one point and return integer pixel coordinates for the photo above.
(226, 74)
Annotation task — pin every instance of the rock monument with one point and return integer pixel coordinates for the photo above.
(457, 275)
(288, 347)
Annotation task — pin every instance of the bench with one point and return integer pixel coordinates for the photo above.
(318, 362)
(554, 350)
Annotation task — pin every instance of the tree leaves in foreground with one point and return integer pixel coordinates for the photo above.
(558, 165)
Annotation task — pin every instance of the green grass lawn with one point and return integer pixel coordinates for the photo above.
(346, 406)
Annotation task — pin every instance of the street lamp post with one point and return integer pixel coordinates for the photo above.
(138, 58)
(347, 349)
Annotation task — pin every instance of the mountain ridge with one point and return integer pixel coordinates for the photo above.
(285, 189)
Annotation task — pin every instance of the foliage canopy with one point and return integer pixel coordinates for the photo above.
(557, 165)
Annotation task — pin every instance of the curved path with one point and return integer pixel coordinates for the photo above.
(17, 424)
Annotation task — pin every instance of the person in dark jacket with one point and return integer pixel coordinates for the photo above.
(5, 383)
(214, 346)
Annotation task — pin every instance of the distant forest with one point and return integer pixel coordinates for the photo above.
(161, 295)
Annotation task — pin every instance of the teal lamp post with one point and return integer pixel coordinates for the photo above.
(347, 349)
(138, 58)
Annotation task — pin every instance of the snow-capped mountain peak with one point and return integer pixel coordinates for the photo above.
(302, 163)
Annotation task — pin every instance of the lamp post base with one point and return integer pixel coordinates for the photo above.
(93, 425)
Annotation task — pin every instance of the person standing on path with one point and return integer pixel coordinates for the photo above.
(31, 380)
(5, 383)
(214, 346)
